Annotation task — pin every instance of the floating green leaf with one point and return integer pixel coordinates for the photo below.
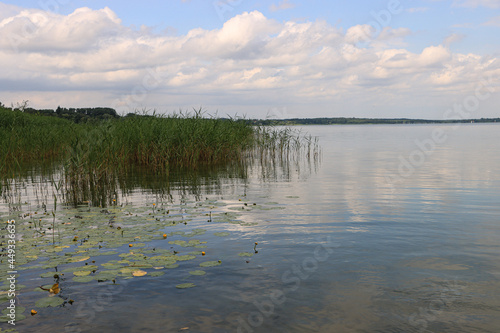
(83, 279)
(109, 265)
(78, 258)
(47, 287)
(127, 270)
(80, 268)
(191, 243)
(210, 263)
(178, 242)
(246, 254)
(56, 249)
(49, 301)
(185, 257)
(185, 285)
(195, 232)
(18, 316)
(197, 272)
(139, 272)
(106, 275)
(48, 274)
(19, 310)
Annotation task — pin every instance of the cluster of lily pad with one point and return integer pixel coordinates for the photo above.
(86, 243)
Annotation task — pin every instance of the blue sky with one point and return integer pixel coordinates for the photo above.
(432, 21)
(259, 58)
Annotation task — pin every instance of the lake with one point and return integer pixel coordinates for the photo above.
(393, 228)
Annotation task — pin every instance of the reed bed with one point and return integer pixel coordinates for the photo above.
(26, 139)
(94, 154)
(157, 142)
(272, 143)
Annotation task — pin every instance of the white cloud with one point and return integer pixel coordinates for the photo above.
(7, 11)
(251, 63)
(37, 30)
(359, 33)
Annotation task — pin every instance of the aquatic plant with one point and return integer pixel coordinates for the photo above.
(95, 245)
(156, 141)
(94, 156)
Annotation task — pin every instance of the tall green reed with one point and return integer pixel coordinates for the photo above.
(95, 154)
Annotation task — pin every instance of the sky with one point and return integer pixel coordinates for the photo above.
(431, 59)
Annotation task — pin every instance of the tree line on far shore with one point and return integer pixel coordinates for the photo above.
(82, 115)
(77, 115)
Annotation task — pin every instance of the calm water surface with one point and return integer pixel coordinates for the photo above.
(394, 231)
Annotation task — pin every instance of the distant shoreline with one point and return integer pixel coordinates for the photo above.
(365, 121)
(79, 115)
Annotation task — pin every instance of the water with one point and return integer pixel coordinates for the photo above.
(397, 230)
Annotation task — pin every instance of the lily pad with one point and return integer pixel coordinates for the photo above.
(56, 249)
(112, 265)
(83, 279)
(191, 243)
(47, 286)
(18, 316)
(139, 273)
(195, 232)
(78, 259)
(185, 285)
(185, 257)
(197, 272)
(246, 254)
(178, 242)
(48, 274)
(80, 268)
(82, 273)
(108, 253)
(106, 276)
(19, 310)
(141, 264)
(128, 270)
(210, 263)
(49, 301)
